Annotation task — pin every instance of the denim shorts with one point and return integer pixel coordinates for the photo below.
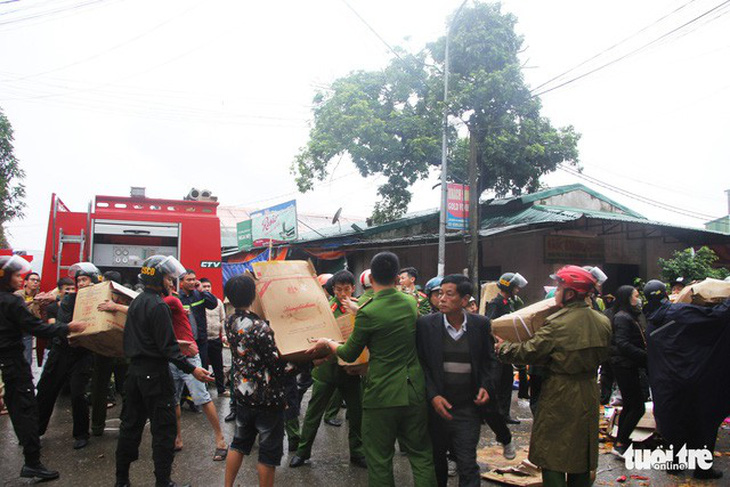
(268, 424)
(197, 389)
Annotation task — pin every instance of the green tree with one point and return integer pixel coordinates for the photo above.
(12, 190)
(389, 122)
(691, 265)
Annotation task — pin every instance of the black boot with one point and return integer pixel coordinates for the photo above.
(38, 471)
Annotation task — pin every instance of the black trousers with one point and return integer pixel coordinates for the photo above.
(72, 365)
(606, 380)
(505, 380)
(215, 358)
(496, 422)
(100, 381)
(21, 403)
(629, 384)
(460, 437)
(149, 394)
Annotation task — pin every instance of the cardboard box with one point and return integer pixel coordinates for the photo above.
(294, 305)
(346, 323)
(106, 332)
(705, 293)
(523, 323)
(488, 293)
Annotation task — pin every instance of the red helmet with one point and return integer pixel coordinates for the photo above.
(575, 278)
(323, 278)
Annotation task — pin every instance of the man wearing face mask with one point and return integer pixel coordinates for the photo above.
(571, 344)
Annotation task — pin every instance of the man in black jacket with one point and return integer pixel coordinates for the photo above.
(67, 363)
(149, 343)
(456, 351)
(15, 319)
(689, 370)
(195, 301)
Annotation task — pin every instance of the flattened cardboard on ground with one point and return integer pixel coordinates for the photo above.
(489, 292)
(518, 471)
(346, 323)
(106, 332)
(705, 293)
(645, 428)
(294, 305)
(523, 323)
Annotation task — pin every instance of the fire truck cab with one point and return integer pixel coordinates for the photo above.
(119, 233)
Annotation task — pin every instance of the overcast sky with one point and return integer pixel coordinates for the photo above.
(104, 95)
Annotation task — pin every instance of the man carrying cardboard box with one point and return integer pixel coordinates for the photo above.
(507, 301)
(394, 398)
(572, 343)
(15, 319)
(69, 363)
(328, 378)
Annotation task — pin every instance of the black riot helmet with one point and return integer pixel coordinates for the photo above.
(655, 290)
(155, 268)
(85, 269)
(510, 280)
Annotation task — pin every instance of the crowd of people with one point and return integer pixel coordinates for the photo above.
(435, 374)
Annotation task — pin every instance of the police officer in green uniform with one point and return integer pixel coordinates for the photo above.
(407, 278)
(328, 378)
(507, 301)
(394, 400)
(571, 344)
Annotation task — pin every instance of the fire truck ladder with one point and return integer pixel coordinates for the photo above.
(69, 239)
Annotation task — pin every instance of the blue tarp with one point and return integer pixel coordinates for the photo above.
(230, 270)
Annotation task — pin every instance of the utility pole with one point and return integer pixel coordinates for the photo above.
(473, 254)
(445, 153)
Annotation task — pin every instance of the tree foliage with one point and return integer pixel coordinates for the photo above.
(691, 265)
(389, 122)
(12, 190)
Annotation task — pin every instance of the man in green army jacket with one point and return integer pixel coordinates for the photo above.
(407, 280)
(394, 399)
(571, 344)
(329, 377)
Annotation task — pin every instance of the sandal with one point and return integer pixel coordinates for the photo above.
(220, 454)
(178, 448)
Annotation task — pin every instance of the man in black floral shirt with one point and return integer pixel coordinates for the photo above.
(258, 381)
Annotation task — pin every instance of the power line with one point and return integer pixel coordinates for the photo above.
(643, 199)
(110, 49)
(613, 46)
(52, 12)
(635, 51)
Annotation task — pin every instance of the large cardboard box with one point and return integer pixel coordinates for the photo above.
(489, 292)
(346, 323)
(106, 332)
(294, 305)
(705, 293)
(521, 325)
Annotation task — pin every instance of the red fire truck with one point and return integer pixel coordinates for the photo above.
(118, 233)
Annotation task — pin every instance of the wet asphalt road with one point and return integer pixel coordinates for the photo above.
(94, 465)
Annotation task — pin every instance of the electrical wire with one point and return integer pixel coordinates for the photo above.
(610, 48)
(112, 48)
(54, 12)
(642, 199)
(536, 93)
